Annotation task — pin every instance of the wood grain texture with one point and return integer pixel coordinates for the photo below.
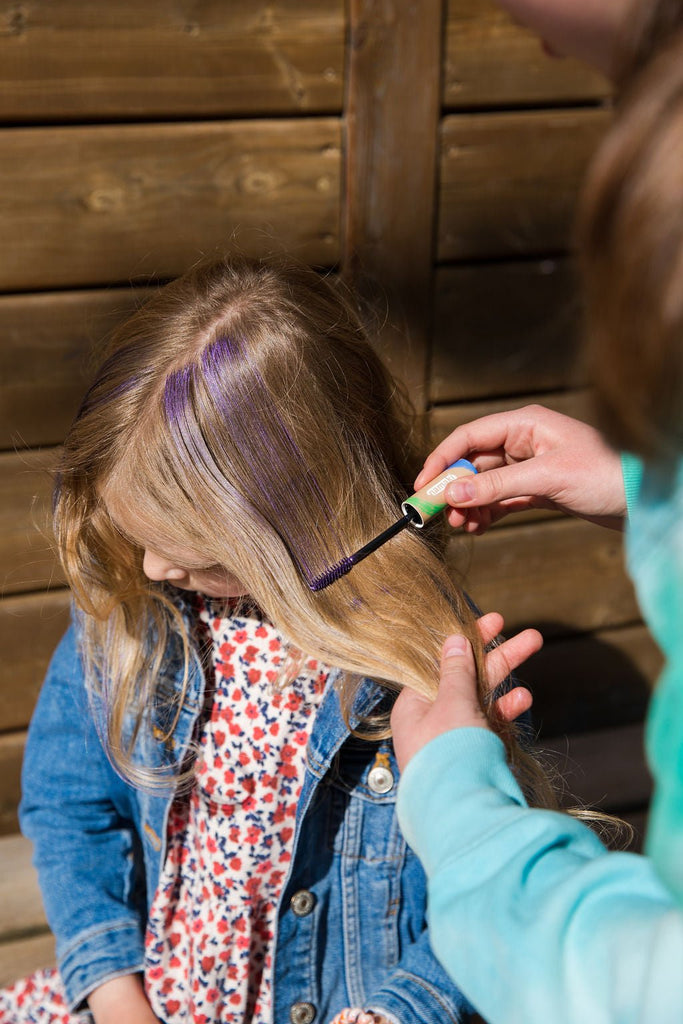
(445, 418)
(11, 754)
(46, 343)
(490, 61)
(593, 680)
(107, 204)
(27, 561)
(75, 61)
(503, 328)
(21, 907)
(390, 171)
(30, 628)
(509, 182)
(21, 957)
(564, 573)
(604, 769)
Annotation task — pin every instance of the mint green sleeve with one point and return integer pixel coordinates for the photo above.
(632, 472)
(528, 912)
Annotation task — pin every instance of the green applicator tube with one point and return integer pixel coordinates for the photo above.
(417, 510)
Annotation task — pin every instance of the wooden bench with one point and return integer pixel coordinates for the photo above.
(25, 942)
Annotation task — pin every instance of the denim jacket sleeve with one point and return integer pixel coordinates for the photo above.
(79, 816)
(419, 991)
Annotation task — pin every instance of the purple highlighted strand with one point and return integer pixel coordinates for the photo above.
(281, 486)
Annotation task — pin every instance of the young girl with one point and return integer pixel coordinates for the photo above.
(190, 771)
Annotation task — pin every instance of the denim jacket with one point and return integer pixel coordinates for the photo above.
(351, 927)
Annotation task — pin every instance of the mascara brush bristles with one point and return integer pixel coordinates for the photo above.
(335, 572)
(345, 565)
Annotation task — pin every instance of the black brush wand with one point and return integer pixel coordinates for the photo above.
(417, 510)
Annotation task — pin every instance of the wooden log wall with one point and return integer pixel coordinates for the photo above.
(430, 152)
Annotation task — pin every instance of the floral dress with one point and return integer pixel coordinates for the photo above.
(230, 840)
(211, 926)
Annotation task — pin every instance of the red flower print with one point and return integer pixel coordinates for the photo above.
(279, 814)
(234, 833)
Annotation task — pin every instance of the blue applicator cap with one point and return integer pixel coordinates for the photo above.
(428, 501)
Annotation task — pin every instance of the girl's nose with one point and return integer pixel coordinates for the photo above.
(158, 568)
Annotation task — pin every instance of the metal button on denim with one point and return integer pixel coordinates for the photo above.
(302, 902)
(380, 779)
(302, 1013)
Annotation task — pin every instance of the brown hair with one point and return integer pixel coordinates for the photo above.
(630, 240)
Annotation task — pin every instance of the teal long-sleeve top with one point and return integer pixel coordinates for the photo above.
(534, 919)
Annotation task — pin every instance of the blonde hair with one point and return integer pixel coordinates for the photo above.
(243, 413)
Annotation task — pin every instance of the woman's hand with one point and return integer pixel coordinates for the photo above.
(502, 660)
(530, 458)
(415, 720)
(121, 1000)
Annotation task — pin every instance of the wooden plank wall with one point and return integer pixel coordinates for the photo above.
(430, 152)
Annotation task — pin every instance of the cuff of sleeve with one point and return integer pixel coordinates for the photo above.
(413, 1000)
(632, 472)
(99, 955)
(461, 773)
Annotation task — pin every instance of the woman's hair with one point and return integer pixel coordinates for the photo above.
(242, 413)
(630, 241)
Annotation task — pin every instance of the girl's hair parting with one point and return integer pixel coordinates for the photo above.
(243, 413)
(630, 242)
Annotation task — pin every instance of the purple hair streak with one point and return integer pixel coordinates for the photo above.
(265, 469)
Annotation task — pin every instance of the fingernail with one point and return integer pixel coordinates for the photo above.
(460, 492)
(455, 645)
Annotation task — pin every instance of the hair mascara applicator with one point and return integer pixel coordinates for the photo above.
(417, 510)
